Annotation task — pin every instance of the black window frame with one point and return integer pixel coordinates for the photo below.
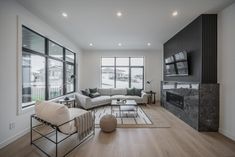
(74, 71)
(47, 56)
(115, 66)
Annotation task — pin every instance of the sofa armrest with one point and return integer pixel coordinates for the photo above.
(145, 97)
(83, 100)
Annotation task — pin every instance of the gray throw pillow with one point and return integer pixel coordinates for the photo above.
(93, 90)
(86, 93)
(94, 95)
(138, 92)
(130, 91)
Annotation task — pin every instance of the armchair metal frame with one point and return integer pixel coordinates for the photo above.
(56, 130)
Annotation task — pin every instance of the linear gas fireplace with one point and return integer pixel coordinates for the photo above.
(175, 99)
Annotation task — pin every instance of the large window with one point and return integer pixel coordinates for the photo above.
(117, 72)
(48, 69)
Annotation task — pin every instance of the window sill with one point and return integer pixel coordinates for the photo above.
(62, 97)
(31, 109)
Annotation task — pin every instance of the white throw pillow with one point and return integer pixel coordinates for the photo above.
(53, 113)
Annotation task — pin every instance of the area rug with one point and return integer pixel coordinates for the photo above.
(144, 119)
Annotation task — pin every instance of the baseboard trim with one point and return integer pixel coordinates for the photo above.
(13, 138)
(227, 134)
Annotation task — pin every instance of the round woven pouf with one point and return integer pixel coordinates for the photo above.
(108, 123)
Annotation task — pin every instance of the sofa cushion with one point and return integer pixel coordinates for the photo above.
(114, 97)
(134, 97)
(104, 91)
(118, 91)
(101, 100)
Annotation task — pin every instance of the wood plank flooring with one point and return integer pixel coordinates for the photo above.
(180, 140)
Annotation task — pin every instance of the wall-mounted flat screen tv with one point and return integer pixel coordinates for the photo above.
(169, 60)
(170, 69)
(177, 64)
(181, 56)
(182, 68)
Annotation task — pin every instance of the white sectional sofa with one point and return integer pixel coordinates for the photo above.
(107, 95)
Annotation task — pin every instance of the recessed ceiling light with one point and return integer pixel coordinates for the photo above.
(120, 44)
(91, 44)
(149, 44)
(175, 13)
(24, 45)
(119, 14)
(64, 14)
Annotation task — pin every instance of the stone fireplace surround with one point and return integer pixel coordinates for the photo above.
(199, 103)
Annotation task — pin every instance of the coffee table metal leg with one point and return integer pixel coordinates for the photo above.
(119, 111)
(136, 110)
(112, 111)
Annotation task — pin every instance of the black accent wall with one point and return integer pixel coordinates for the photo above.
(194, 98)
(199, 39)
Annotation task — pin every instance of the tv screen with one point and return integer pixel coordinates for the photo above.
(170, 69)
(181, 56)
(169, 59)
(182, 68)
(177, 65)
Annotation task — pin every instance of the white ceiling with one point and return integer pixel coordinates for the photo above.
(143, 21)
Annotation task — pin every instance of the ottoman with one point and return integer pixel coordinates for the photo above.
(108, 123)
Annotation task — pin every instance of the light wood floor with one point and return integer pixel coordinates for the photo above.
(180, 140)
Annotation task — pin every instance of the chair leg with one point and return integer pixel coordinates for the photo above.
(31, 130)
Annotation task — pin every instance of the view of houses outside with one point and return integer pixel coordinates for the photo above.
(123, 73)
(137, 78)
(69, 79)
(55, 78)
(33, 76)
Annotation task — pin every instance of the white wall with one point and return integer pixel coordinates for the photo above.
(91, 63)
(226, 72)
(9, 9)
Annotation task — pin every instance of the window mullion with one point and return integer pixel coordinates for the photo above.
(46, 71)
(74, 73)
(143, 79)
(64, 86)
(129, 72)
(115, 76)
